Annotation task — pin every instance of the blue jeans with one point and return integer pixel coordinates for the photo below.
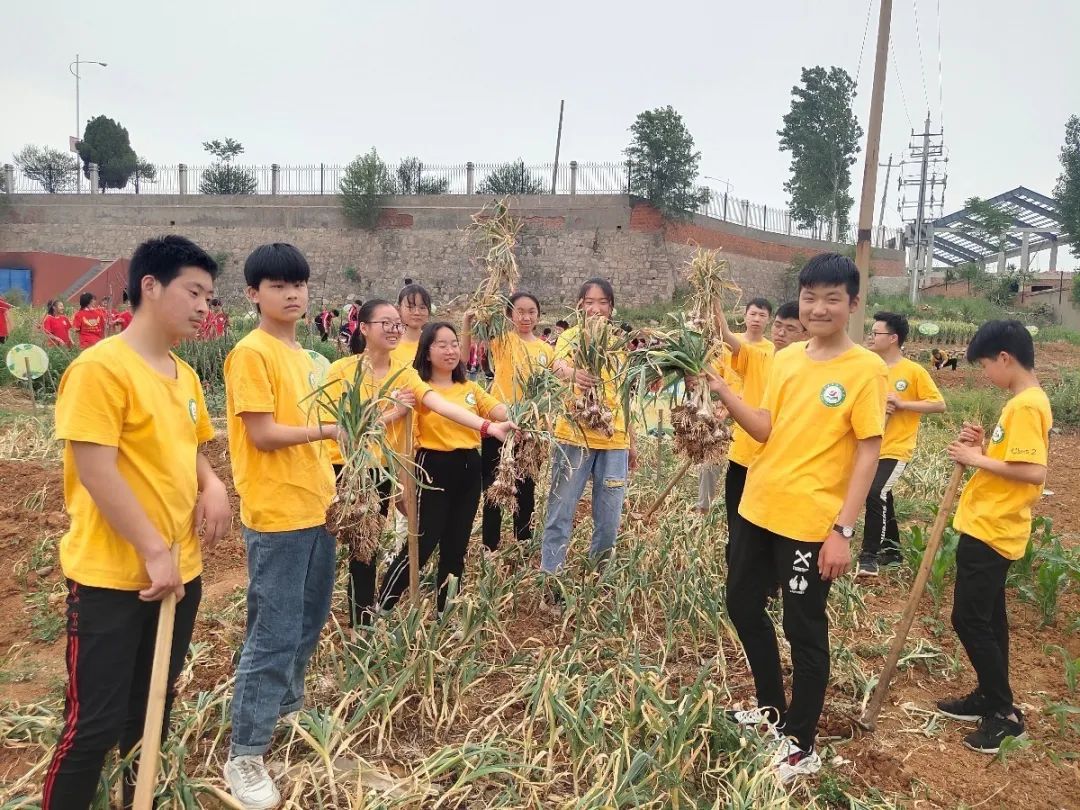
(571, 468)
(290, 582)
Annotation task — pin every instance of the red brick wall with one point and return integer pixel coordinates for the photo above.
(645, 218)
(52, 273)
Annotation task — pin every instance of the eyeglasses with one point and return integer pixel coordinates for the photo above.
(880, 334)
(417, 307)
(388, 326)
(788, 330)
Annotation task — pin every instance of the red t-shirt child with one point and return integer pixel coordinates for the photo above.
(57, 330)
(90, 324)
(4, 307)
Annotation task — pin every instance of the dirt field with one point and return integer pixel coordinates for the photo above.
(927, 767)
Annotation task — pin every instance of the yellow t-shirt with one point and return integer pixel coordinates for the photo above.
(751, 364)
(110, 396)
(820, 410)
(435, 432)
(280, 490)
(572, 433)
(514, 360)
(405, 352)
(911, 383)
(342, 373)
(994, 509)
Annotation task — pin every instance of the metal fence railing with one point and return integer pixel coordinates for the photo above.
(411, 177)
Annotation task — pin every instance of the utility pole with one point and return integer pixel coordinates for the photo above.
(884, 196)
(558, 143)
(864, 245)
(921, 213)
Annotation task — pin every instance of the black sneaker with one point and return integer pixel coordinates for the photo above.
(970, 708)
(994, 729)
(889, 559)
(868, 567)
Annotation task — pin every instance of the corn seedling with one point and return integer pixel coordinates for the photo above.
(524, 452)
(495, 232)
(598, 350)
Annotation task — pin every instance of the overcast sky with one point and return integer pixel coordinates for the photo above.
(321, 81)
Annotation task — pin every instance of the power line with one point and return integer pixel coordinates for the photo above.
(866, 27)
(918, 40)
(940, 81)
(896, 73)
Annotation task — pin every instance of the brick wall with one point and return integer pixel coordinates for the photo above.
(565, 239)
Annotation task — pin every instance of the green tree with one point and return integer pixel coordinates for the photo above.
(106, 143)
(365, 185)
(223, 177)
(411, 180)
(1075, 294)
(988, 224)
(145, 172)
(822, 134)
(1067, 189)
(664, 163)
(55, 170)
(973, 274)
(511, 178)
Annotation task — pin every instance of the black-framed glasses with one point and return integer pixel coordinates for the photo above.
(388, 326)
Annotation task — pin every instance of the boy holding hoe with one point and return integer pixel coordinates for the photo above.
(132, 417)
(994, 521)
(820, 423)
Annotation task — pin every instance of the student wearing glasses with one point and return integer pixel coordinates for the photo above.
(414, 308)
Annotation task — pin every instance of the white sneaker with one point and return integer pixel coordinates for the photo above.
(250, 784)
(791, 762)
(763, 721)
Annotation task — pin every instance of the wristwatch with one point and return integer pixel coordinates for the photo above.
(847, 532)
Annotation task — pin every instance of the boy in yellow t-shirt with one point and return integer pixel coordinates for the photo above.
(912, 393)
(994, 519)
(820, 424)
(281, 467)
(132, 417)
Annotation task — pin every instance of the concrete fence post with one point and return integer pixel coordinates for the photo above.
(746, 213)
(182, 172)
(9, 180)
(725, 207)
(275, 178)
(573, 177)
(470, 178)
(93, 168)
(322, 178)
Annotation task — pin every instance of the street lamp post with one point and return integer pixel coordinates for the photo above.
(73, 69)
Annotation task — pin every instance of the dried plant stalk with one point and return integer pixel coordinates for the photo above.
(496, 233)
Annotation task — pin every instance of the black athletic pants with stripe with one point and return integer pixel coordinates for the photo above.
(760, 559)
(491, 521)
(110, 654)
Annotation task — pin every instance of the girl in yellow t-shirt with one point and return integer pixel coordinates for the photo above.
(414, 306)
(448, 459)
(515, 355)
(378, 333)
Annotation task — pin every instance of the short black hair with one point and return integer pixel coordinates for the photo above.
(276, 261)
(995, 337)
(562, 324)
(163, 258)
(596, 281)
(760, 303)
(422, 362)
(335, 313)
(411, 291)
(215, 302)
(897, 325)
(789, 311)
(830, 270)
(85, 299)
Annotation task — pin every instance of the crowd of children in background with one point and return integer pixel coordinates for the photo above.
(824, 429)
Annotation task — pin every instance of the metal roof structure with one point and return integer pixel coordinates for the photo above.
(1035, 216)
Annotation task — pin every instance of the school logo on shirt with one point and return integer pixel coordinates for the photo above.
(192, 410)
(311, 378)
(901, 385)
(542, 358)
(470, 399)
(998, 434)
(833, 394)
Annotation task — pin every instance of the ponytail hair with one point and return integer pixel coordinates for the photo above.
(357, 342)
(50, 308)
